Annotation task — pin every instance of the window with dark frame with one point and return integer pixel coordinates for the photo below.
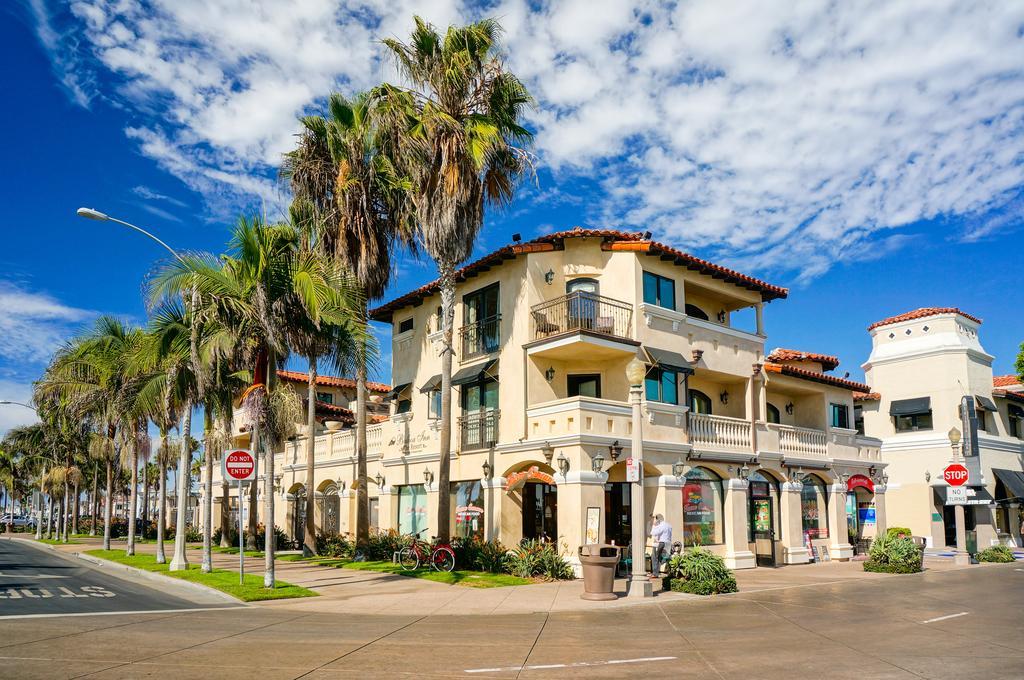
(773, 415)
(699, 402)
(696, 312)
(405, 325)
(914, 421)
(858, 419)
(1015, 418)
(659, 291)
(662, 384)
(325, 397)
(839, 416)
(587, 385)
(434, 403)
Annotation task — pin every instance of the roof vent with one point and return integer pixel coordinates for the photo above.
(516, 238)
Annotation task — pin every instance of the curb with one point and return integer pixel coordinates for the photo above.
(158, 578)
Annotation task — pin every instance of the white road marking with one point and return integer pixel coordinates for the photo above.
(577, 664)
(30, 576)
(943, 618)
(139, 611)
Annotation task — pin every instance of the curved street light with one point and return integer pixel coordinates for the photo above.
(93, 214)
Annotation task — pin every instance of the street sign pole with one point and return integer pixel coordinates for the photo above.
(239, 465)
(241, 549)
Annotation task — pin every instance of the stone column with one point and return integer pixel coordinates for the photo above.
(387, 507)
(985, 526)
(794, 550)
(737, 545)
(1013, 510)
(839, 540)
(346, 510)
(881, 523)
(432, 519)
(578, 490)
(759, 317)
(668, 501)
(494, 501)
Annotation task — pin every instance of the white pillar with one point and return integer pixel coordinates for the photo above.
(839, 539)
(759, 316)
(881, 523)
(494, 496)
(737, 546)
(1013, 510)
(578, 491)
(794, 551)
(639, 584)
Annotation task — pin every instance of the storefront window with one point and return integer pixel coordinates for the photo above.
(813, 510)
(469, 509)
(702, 508)
(412, 509)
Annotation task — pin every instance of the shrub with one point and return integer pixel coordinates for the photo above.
(997, 553)
(334, 546)
(892, 554)
(381, 545)
(701, 572)
(896, 532)
(492, 557)
(534, 558)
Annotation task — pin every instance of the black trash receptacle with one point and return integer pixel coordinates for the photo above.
(599, 571)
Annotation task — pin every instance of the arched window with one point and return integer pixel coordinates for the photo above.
(696, 312)
(330, 508)
(299, 514)
(699, 402)
(702, 508)
(813, 507)
(772, 415)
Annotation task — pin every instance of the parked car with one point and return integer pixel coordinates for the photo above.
(18, 520)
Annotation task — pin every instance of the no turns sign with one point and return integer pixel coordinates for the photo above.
(239, 465)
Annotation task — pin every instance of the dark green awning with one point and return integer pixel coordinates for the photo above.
(976, 495)
(1012, 480)
(472, 374)
(398, 389)
(910, 407)
(433, 384)
(985, 403)
(668, 359)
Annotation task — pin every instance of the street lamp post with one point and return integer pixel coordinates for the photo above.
(639, 584)
(39, 500)
(959, 512)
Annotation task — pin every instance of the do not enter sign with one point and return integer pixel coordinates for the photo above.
(955, 474)
(239, 465)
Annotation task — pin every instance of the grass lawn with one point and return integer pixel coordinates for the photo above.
(54, 541)
(228, 551)
(457, 577)
(292, 557)
(221, 579)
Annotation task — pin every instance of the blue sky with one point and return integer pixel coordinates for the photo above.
(869, 158)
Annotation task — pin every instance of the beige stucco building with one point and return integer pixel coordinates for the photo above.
(753, 454)
(923, 366)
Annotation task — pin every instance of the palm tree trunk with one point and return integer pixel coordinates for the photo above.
(49, 516)
(42, 505)
(268, 502)
(250, 529)
(108, 504)
(208, 491)
(225, 515)
(362, 493)
(74, 512)
(95, 507)
(447, 271)
(66, 514)
(134, 500)
(180, 560)
(161, 518)
(145, 498)
(309, 530)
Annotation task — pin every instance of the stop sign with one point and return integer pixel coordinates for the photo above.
(955, 474)
(239, 465)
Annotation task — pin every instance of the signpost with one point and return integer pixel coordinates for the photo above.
(239, 465)
(955, 474)
(632, 470)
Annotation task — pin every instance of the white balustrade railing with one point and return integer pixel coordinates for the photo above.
(803, 441)
(720, 431)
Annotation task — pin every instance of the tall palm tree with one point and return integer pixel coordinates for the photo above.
(459, 137)
(345, 185)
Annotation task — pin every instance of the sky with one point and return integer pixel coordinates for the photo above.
(868, 155)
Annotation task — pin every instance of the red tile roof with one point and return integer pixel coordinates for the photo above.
(613, 240)
(781, 355)
(325, 411)
(1009, 394)
(922, 313)
(1005, 381)
(814, 376)
(331, 381)
(867, 396)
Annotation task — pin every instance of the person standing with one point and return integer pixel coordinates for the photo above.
(661, 535)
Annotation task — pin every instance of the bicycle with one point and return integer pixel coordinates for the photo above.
(440, 556)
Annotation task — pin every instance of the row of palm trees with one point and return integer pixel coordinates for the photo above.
(409, 166)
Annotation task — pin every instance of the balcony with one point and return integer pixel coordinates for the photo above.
(480, 337)
(802, 442)
(561, 326)
(720, 433)
(479, 430)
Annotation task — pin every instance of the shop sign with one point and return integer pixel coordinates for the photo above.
(632, 470)
(860, 482)
(866, 516)
(516, 480)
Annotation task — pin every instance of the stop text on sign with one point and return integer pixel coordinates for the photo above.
(955, 475)
(238, 465)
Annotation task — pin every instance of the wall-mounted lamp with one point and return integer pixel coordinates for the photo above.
(927, 476)
(487, 470)
(548, 451)
(789, 408)
(744, 472)
(724, 396)
(563, 464)
(341, 486)
(615, 450)
(884, 479)
(428, 477)
(721, 316)
(871, 471)
(597, 463)
(549, 374)
(549, 277)
(679, 468)
(379, 479)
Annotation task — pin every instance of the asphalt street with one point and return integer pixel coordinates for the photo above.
(937, 625)
(39, 581)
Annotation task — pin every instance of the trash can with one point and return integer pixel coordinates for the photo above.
(599, 571)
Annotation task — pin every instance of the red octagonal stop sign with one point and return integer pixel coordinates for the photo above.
(239, 465)
(955, 474)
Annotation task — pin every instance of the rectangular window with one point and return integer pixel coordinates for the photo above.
(468, 509)
(412, 509)
(405, 325)
(325, 397)
(916, 421)
(434, 403)
(662, 384)
(584, 386)
(659, 291)
(1015, 418)
(858, 419)
(840, 415)
(481, 322)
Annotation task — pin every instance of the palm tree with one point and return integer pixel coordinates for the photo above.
(347, 188)
(459, 137)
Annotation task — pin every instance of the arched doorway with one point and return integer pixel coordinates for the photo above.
(763, 513)
(330, 508)
(535, 484)
(297, 511)
(860, 512)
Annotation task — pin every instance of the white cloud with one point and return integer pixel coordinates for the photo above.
(33, 324)
(779, 134)
(14, 415)
(62, 48)
(150, 195)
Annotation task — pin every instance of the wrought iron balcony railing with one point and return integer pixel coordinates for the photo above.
(479, 429)
(581, 311)
(480, 337)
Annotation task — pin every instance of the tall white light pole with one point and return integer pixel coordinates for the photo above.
(180, 560)
(39, 509)
(639, 584)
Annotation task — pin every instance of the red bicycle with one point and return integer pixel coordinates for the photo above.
(439, 556)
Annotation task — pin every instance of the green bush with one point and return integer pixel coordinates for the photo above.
(534, 558)
(381, 545)
(334, 546)
(894, 555)
(997, 553)
(895, 532)
(492, 557)
(701, 572)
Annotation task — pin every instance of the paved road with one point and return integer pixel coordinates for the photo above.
(937, 625)
(35, 580)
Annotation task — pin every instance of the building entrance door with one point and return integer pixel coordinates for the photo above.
(762, 523)
(617, 513)
(540, 511)
(949, 522)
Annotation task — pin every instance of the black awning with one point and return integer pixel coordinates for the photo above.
(984, 403)
(976, 495)
(1015, 410)
(1013, 480)
(910, 407)
(472, 374)
(663, 357)
(433, 384)
(398, 389)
